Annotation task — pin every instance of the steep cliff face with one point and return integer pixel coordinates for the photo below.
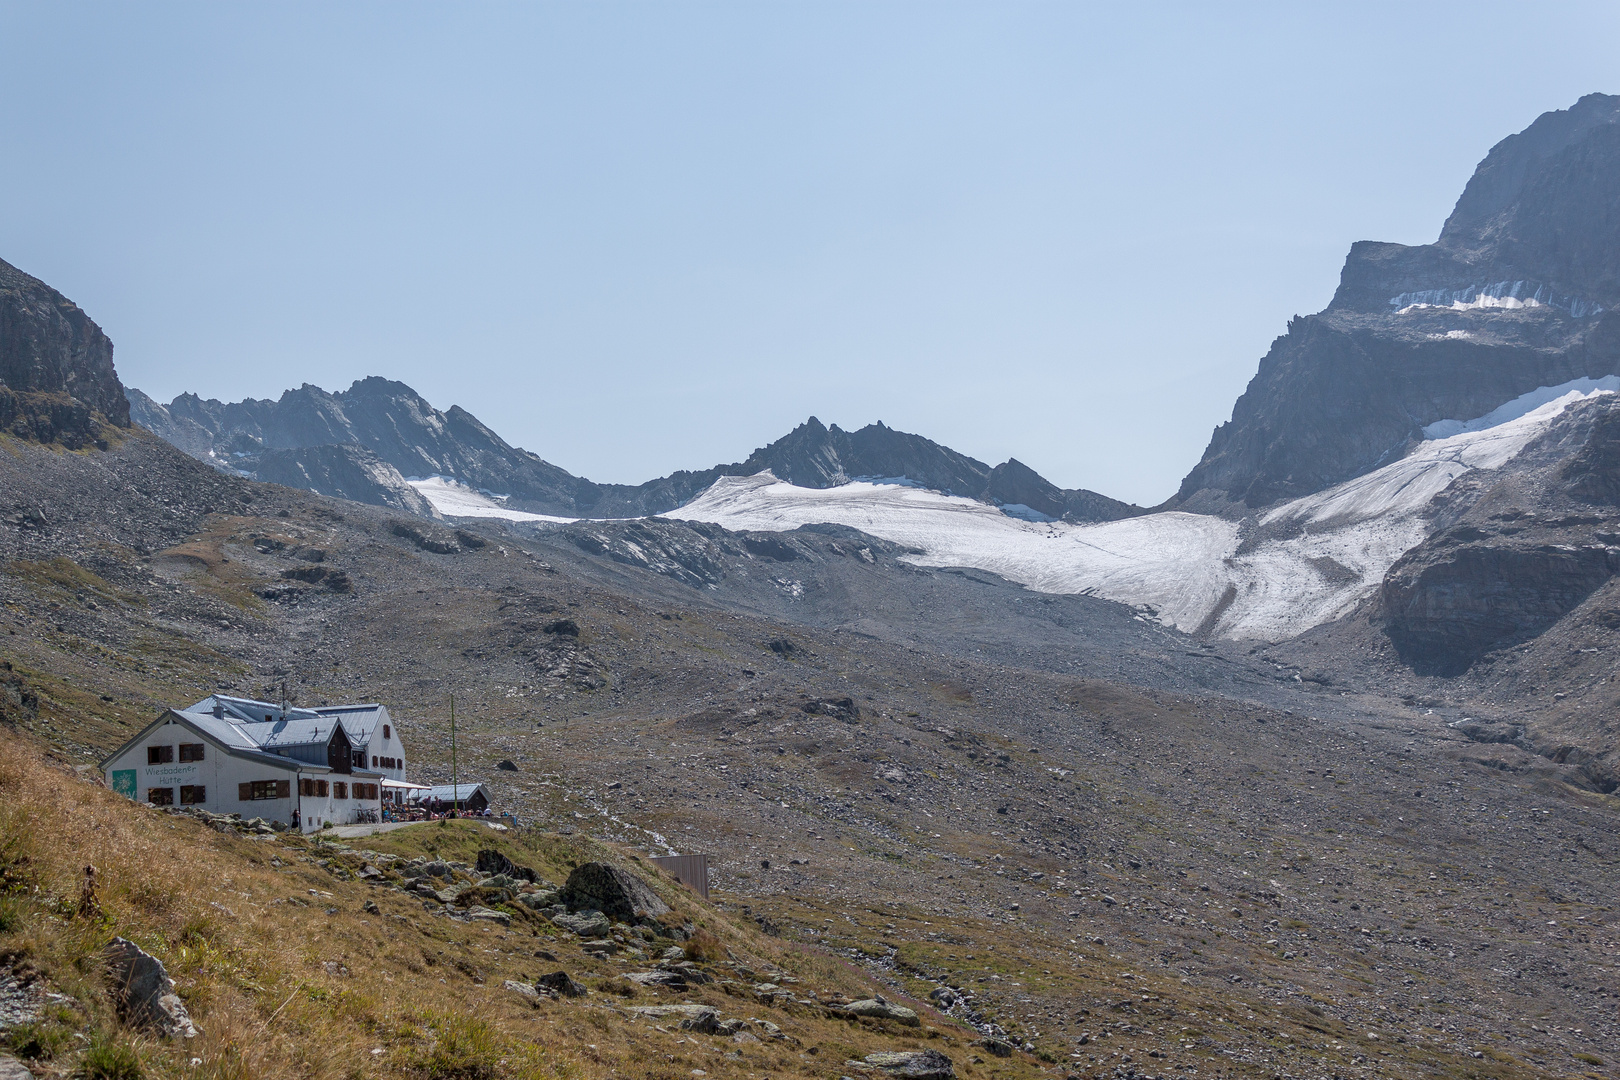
(1521, 290)
(343, 471)
(57, 382)
(1514, 549)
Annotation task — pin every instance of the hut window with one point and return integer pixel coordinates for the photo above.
(340, 790)
(387, 733)
(262, 789)
(321, 789)
(191, 751)
(160, 796)
(193, 794)
(159, 755)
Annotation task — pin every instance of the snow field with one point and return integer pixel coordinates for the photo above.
(1306, 562)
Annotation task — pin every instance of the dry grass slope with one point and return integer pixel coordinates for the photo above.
(287, 975)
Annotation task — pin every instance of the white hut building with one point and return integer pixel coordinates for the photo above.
(233, 755)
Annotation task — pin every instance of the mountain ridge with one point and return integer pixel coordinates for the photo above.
(395, 425)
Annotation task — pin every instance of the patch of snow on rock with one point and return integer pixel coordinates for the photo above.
(1520, 406)
(453, 499)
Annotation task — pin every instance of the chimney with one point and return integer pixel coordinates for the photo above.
(219, 709)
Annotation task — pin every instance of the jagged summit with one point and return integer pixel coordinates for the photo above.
(366, 442)
(1520, 291)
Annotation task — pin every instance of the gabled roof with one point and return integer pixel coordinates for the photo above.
(271, 725)
(223, 734)
(358, 720)
(315, 731)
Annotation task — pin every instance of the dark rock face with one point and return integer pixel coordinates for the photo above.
(57, 382)
(1406, 341)
(493, 862)
(560, 984)
(616, 893)
(344, 472)
(1514, 549)
(1592, 475)
(1446, 606)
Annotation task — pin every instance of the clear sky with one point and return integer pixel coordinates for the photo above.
(640, 237)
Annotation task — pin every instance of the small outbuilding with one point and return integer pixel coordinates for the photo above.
(472, 797)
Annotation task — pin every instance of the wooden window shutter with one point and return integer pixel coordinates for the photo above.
(283, 788)
(244, 792)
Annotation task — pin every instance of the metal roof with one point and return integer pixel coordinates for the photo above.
(358, 720)
(316, 731)
(246, 710)
(224, 734)
(452, 792)
(292, 727)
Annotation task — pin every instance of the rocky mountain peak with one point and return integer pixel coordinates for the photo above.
(1522, 290)
(56, 366)
(1517, 162)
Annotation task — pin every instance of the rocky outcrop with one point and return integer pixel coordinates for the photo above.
(57, 382)
(344, 472)
(1520, 291)
(616, 893)
(1446, 604)
(881, 1008)
(1513, 549)
(493, 862)
(910, 1064)
(142, 991)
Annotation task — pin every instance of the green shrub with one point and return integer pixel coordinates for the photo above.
(110, 1061)
(12, 914)
(466, 1048)
(40, 1040)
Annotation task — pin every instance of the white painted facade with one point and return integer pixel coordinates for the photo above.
(259, 760)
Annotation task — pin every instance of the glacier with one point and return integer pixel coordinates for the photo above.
(1269, 577)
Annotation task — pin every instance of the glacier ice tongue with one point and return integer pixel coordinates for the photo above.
(1315, 558)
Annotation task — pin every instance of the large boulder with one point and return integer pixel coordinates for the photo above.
(559, 983)
(493, 862)
(912, 1064)
(700, 1018)
(142, 991)
(586, 924)
(880, 1008)
(616, 893)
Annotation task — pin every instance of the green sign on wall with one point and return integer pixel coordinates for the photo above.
(123, 782)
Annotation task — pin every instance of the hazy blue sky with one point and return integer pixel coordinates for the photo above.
(640, 237)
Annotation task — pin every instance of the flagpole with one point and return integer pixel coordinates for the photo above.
(455, 785)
